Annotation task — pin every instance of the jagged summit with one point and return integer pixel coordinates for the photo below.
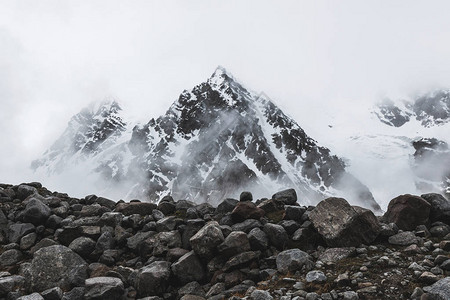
(215, 140)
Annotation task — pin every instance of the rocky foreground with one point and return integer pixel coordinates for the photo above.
(53, 246)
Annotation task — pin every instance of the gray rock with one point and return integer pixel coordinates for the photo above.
(234, 243)
(350, 295)
(57, 266)
(11, 284)
(55, 293)
(153, 279)
(27, 241)
(191, 288)
(258, 239)
(166, 224)
(260, 295)
(247, 225)
(23, 191)
(226, 206)
(446, 265)
(205, 241)
(336, 254)
(316, 276)
(240, 260)
(405, 238)
(111, 219)
(188, 268)
(294, 213)
(10, 257)
(105, 242)
(18, 230)
(288, 197)
(34, 296)
(74, 294)
(35, 212)
(407, 211)
(440, 289)
(440, 207)
(103, 288)
(84, 246)
(291, 260)
(342, 225)
(276, 234)
(136, 240)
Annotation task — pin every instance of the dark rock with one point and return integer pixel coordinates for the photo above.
(153, 279)
(342, 225)
(292, 260)
(55, 293)
(205, 241)
(111, 219)
(276, 234)
(234, 243)
(192, 227)
(294, 213)
(175, 253)
(240, 260)
(260, 295)
(407, 211)
(53, 222)
(440, 208)
(131, 208)
(271, 206)
(166, 224)
(57, 266)
(188, 268)
(105, 242)
(27, 241)
(404, 238)
(246, 210)
(258, 239)
(18, 230)
(315, 276)
(99, 288)
(76, 293)
(246, 196)
(307, 239)
(191, 288)
(226, 206)
(288, 197)
(166, 207)
(35, 212)
(10, 257)
(11, 284)
(46, 242)
(440, 230)
(106, 202)
(34, 296)
(24, 191)
(290, 226)
(84, 246)
(247, 225)
(136, 240)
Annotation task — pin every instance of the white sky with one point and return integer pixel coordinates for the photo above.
(57, 56)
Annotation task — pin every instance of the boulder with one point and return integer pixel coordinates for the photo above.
(131, 208)
(276, 234)
(407, 212)
(260, 295)
(84, 246)
(247, 225)
(404, 238)
(246, 210)
(226, 206)
(35, 212)
(440, 208)
(241, 260)
(188, 268)
(234, 243)
(342, 225)
(258, 239)
(23, 191)
(57, 266)
(288, 197)
(440, 289)
(246, 196)
(55, 293)
(18, 230)
(10, 257)
(11, 284)
(152, 280)
(294, 213)
(292, 260)
(205, 241)
(99, 288)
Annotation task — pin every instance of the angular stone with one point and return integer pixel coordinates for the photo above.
(234, 243)
(336, 254)
(18, 230)
(136, 240)
(27, 241)
(34, 296)
(276, 234)
(260, 295)
(291, 260)
(258, 239)
(404, 238)
(84, 246)
(247, 225)
(10, 257)
(23, 191)
(103, 288)
(11, 284)
(246, 210)
(131, 208)
(240, 260)
(315, 276)
(288, 197)
(166, 224)
(342, 225)
(35, 212)
(152, 280)
(188, 268)
(407, 211)
(55, 293)
(226, 206)
(294, 213)
(205, 241)
(57, 266)
(440, 207)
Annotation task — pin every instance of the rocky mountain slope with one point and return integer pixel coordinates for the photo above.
(53, 246)
(215, 140)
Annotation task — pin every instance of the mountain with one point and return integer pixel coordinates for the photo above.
(213, 142)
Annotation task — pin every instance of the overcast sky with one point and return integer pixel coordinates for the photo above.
(58, 56)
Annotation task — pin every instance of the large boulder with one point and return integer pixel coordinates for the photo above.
(342, 225)
(99, 288)
(288, 197)
(407, 212)
(57, 266)
(152, 280)
(440, 289)
(188, 268)
(205, 241)
(18, 230)
(235, 242)
(276, 234)
(292, 260)
(35, 212)
(246, 210)
(440, 208)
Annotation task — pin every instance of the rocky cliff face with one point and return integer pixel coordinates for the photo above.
(214, 141)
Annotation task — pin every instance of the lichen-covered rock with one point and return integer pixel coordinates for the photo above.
(57, 266)
(407, 212)
(342, 225)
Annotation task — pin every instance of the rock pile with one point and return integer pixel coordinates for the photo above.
(53, 246)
